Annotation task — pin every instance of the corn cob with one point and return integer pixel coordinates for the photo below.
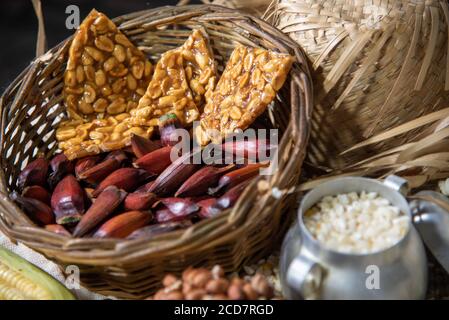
(20, 280)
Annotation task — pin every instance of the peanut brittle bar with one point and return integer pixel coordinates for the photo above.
(248, 85)
(181, 79)
(106, 74)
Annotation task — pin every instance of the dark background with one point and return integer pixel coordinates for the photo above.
(18, 27)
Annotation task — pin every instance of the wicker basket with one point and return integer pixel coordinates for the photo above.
(376, 65)
(256, 7)
(32, 107)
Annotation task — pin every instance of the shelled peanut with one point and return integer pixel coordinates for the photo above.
(134, 193)
(204, 284)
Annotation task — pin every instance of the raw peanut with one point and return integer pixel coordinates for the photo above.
(217, 272)
(38, 211)
(187, 275)
(104, 205)
(217, 286)
(235, 292)
(173, 295)
(250, 293)
(201, 278)
(195, 294)
(67, 201)
(35, 173)
(123, 224)
(219, 297)
(230, 106)
(168, 280)
(261, 286)
(186, 288)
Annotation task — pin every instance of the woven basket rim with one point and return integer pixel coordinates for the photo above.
(15, 224)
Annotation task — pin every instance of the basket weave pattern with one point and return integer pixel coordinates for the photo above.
(376, 65)
(32, 108)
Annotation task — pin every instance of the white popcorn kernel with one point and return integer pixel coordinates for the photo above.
(357, 223)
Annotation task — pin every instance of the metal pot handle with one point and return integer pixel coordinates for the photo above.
(398, 184)
(305, 276)
(430, 212)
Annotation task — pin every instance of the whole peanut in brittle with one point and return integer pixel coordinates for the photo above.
(106, 74)
(181, 79)
(248, 85)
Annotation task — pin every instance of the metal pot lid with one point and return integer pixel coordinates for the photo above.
(430, 212)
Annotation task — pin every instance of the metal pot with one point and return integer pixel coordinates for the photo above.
(311, 271)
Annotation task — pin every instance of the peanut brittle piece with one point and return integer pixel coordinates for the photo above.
(80, 138)
(246, 88)
(106, 74)
(180, 81)
(199, 66)
(167, 92)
